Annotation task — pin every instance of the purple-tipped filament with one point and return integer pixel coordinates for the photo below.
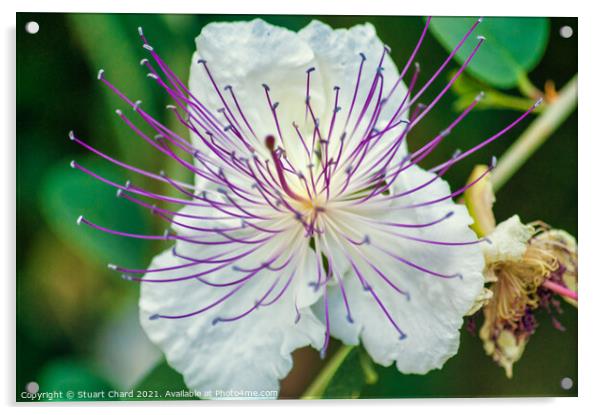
(272, 195)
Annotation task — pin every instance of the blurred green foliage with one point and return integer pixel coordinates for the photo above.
(66, 295)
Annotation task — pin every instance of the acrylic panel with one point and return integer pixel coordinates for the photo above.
(295, 207)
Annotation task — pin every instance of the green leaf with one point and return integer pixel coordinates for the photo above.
(513, 46)
(162, 379)
(68, 193)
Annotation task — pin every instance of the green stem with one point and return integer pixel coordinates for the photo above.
(318, 386)
(498, 99)
(370, 375)
(536, 134)
(527, 88)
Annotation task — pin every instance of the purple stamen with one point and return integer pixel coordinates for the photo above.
(267, 208)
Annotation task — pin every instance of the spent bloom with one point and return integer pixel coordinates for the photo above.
(528, 267)
(308, 217)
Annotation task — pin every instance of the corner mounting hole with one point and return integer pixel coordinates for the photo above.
(566, 32)
(32, 27)
(566, 383)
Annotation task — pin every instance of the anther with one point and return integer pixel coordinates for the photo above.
(112, 267)
(148, 47)
(363, 56)
(140, 32)
(79, 219)
(72, 164)
(71, 135)
(481, 37)
(118, 112)
(310, 69)
(137, 105)
(154, 317)
(201, 61)
(270, 142)
(266, 87)
(143, 61)
(100, 73)
(152, 75)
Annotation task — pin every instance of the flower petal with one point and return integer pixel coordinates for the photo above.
(432, 316)
(215, 350)
(247, 56)
(508, 240)
(339, 54)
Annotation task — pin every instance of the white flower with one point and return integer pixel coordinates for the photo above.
(309, 217)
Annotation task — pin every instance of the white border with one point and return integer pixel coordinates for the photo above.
(589, 194)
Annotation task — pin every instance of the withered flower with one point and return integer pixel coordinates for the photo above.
(526, 267)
